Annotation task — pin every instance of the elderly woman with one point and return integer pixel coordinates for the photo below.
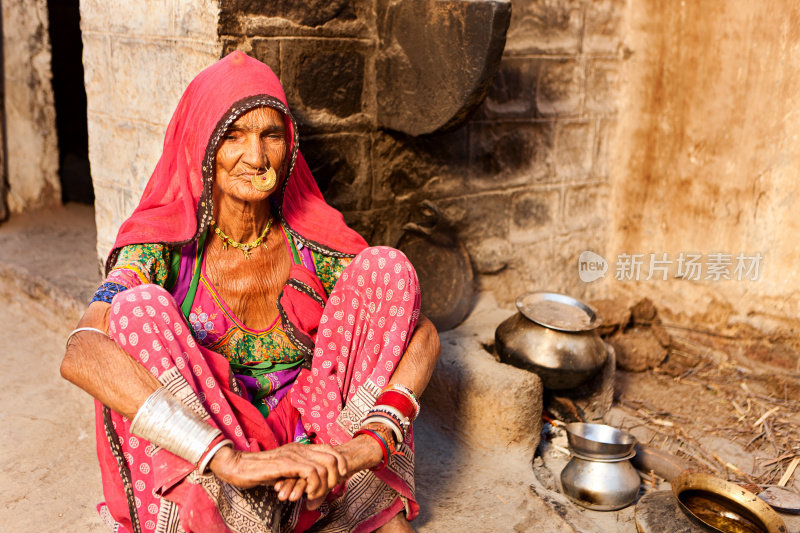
(256, 366)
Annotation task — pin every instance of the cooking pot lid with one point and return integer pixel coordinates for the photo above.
(557, 311)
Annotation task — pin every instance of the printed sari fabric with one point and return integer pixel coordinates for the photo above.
(350, 342)
(364, 330)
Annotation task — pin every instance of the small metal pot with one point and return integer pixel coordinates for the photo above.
(554, 336)
(600, 475)
(602, 485)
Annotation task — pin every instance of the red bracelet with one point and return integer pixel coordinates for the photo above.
(384, 446)
(399, 401)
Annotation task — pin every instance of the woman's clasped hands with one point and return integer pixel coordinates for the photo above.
(292, 469)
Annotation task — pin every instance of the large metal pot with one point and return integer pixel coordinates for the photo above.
(554, 336)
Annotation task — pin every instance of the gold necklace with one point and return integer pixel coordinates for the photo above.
(244, 247)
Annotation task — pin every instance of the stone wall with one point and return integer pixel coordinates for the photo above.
(706, 161)
(524, 180)
(31, 141)
(138, 58)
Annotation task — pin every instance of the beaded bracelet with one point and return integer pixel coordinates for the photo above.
(380, 440)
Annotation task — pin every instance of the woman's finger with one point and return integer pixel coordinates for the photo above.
(287, 486)
(297, 492)
(338, 464)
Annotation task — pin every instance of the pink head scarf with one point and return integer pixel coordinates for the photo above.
(177, 206)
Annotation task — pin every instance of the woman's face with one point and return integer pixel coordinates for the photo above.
(255, 142)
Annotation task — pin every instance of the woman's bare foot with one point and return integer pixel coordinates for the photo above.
(398, 524)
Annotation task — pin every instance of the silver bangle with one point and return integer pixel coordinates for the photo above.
(210, 455)
(404, 421)
(78, 330)
(166, 422)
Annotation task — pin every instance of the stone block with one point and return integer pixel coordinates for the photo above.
(196, 19)
(139, 66)
(380, 227)
(586, 206)
(550, 264)
(490, 405)
(145, 17)
(301, 12)
(324, 81)
(602, 86)
(477, 217)
(603, 137)
(268, 51)
(545, 26)
(96, 71)
(507, 154)
(535, 215)
(341, 165)
(573, 149)
(603, 31)
(356, 19)
(123, 153)
(413, 168)
(560, 90)
(513, 90)
(434, 69)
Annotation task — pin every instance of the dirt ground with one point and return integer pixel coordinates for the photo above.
(727, 413)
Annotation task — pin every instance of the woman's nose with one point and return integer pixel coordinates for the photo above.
(255, 155)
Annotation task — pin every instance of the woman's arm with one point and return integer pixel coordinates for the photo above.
(417, 364)
(95, 363)
(102, 368)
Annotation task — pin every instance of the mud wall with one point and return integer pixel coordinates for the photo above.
(31, 141)
(138, 58)
(705, 160)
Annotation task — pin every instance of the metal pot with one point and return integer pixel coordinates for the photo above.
(554, 336)
(600, 475)
(599, 440)
(602, 485)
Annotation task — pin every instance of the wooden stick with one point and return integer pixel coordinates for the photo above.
(765, 416)
(789, 471)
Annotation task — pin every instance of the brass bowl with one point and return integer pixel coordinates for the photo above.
(718, 505)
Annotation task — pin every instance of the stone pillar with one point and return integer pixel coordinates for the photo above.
(138, 58)
(32, 143)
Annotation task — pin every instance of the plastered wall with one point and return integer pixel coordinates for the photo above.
(706, 160)
(31, 141)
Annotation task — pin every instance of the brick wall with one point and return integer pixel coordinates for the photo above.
(138, 58)
(31, 142)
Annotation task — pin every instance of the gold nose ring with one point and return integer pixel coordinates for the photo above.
(266, 181)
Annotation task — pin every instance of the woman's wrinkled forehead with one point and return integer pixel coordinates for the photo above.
(258, 119)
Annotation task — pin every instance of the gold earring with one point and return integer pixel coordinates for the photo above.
(266, 181)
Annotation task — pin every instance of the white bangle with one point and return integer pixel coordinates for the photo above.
(166, 422)
(78, 330)
(398, 433)
(210, 455)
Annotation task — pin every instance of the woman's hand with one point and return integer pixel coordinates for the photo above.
(293, 469)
